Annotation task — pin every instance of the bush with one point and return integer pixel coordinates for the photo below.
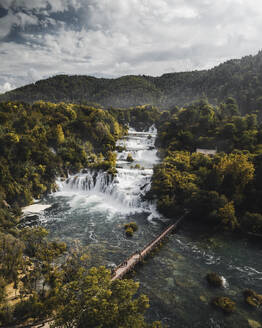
(129, 232)
(130, 228)
(252, 298)
(130, 158)
(6, 315)
(133, 225)
(252, 222)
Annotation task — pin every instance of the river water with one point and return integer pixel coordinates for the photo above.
(92, 208)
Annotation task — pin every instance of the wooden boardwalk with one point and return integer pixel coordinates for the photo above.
(137, 257)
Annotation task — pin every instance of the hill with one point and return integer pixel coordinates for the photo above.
(239, 78)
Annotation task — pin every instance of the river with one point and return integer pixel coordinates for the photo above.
(93, 208)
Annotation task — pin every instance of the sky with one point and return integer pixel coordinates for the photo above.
(111, 38)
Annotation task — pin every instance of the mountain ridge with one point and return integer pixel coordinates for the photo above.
(239, 78)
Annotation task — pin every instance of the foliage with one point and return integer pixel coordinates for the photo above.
(129, 158)
(43, 140)
(201, 125)
(92, 300)
(129, 232)
(132, 225)
(252, 222)
(222, 191)
(252, 298)
(225, 304)
(130, 228)
(11, 257)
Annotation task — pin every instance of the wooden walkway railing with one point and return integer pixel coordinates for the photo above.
(137, 257)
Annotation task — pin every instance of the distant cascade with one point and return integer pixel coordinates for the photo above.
(132, 180)
(89, 180)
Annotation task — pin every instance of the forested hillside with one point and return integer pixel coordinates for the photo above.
(240, 78)
(38, 143)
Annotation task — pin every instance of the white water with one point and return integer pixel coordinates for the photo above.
(122, 193)
(34, 209)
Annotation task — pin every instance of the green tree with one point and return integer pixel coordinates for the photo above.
(92, 300)
(60, 138)
(227, 217)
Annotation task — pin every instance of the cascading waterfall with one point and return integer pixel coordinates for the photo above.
(132, 181)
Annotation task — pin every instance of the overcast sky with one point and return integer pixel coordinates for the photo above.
(110, 38)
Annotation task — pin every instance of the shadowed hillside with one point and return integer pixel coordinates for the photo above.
(240, 78)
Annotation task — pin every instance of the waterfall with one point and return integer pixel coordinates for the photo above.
(125, 190)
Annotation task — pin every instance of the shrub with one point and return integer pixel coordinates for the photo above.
(129, 158)
(129, 232)
(133, 225)
(130, 228)
(225, 304)
(252, 298)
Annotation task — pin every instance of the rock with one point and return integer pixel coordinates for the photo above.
(55, 208)
(29, 220)
(5, 204)
(254, 324)
(214, 279)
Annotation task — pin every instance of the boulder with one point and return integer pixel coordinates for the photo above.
(214, 279)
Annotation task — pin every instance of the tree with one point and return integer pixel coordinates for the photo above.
(60, 138)
(11, 256)
(231, 107)
(252, 222)
(235, 172)
(92, 300)
(227, 217)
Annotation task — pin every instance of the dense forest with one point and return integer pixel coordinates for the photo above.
(240, 78)
(38, 143)
(222, 191)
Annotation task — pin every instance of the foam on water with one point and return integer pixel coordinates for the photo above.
(34, 208)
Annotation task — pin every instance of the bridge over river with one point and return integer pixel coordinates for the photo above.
(137, 257)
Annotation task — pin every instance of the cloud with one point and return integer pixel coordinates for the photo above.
(25, 19)
(6, 24)
(5, 87)
(112, 38)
